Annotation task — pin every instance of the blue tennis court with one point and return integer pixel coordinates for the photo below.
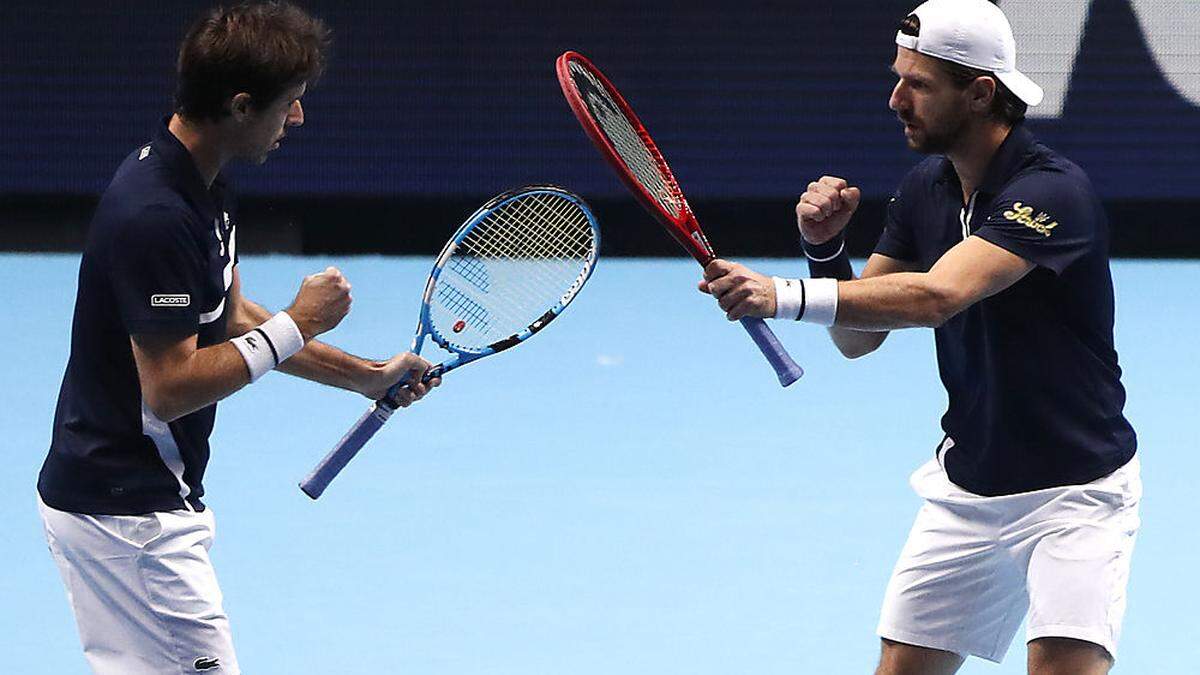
(598, 501)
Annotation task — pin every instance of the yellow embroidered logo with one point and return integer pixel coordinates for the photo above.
(1024, 215)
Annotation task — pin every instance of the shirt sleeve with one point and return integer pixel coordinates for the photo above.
(1045, 218)
(896, 241)
(157, 273)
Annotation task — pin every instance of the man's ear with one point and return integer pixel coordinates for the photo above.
(239, 106)
(982, 92)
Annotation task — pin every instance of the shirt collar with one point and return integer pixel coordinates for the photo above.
(183, 169)
(1007, 161)
(1005, 164)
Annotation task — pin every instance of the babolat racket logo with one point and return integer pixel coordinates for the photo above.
(170, 300)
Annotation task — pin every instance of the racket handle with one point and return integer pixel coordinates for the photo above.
(337, 459)
(787, 369)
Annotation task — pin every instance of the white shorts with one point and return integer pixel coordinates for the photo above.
(974, 565)
(143, 590)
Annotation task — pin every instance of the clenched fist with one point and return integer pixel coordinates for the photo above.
(322, 302)
(825, 208)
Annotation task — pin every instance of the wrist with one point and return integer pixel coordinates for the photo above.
(306, 332)
(365, 376)
(269, 344)
(789, 298)
(824, 251)
(829, 259)
(809, 300)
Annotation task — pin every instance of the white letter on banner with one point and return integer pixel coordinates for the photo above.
(1172, 30)
(1049, 35)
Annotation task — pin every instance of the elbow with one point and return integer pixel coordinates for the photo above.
(939, 315)
(164, 407)
(855, 345)
(853, 352)
(935, 318)
(940, 306)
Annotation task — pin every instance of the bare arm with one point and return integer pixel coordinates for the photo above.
(317, 361)
(855, 343)
(326, 364)
(971, 271)
(823, 212)
(178, 379)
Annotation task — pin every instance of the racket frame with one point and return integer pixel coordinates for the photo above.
(683, 227)
(378, 413)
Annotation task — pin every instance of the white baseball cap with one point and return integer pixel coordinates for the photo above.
(973, 33)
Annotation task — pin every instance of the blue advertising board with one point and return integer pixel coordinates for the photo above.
(749, 100)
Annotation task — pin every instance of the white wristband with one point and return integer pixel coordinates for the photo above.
(811, 300)
(820, 301)
(789, 298)
(270, 344)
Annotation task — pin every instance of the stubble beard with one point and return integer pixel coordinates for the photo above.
(941, 140)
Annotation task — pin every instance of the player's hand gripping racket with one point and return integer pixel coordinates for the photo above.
(619, 135)
(512, 267)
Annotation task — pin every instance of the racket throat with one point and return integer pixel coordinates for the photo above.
(534, 327)
(702, 242)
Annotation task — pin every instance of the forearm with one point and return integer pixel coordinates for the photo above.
(851, 343)
(891, 301)
(828, 259)
(886, 299)
(317, 361)
(326, 364)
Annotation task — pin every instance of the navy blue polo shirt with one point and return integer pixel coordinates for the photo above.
(158, 260)
(1035, 394)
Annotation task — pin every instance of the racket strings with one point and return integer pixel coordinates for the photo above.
(551, 244)
(544, 237)
(522, 303)
(526, 257)
(633, 146)
(460, 305)
(501, 245)
(549, 234)
(470, 269)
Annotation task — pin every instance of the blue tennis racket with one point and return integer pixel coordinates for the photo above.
(512, 267)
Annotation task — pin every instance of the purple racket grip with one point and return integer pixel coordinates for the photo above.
(787, 369)
(337, 459)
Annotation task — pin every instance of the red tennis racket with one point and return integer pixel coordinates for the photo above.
(616, 131)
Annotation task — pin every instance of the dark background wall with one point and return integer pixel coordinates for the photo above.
(429, 108)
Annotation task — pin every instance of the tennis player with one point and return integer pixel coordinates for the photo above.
(162, 332)
(1001, 245)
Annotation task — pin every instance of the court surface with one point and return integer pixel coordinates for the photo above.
(630, 492)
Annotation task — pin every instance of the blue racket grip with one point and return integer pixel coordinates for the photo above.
(787, 369)
(337, 459)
